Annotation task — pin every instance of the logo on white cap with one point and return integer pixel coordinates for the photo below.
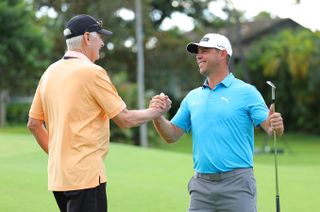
(205, 39)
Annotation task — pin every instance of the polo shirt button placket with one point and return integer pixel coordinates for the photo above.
(211, 93)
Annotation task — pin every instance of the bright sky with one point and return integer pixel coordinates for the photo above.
(306, 13)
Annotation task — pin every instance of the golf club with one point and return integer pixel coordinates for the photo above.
(273, 96)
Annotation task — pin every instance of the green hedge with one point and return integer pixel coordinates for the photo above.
(17, 113)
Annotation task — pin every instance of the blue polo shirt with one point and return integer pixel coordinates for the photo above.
(222, 121)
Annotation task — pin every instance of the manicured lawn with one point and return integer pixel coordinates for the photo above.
(298, 171)
(155, 179)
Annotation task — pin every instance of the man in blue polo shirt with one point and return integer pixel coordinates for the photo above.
(221, 116)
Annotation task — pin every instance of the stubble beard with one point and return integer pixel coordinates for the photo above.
(203, 72)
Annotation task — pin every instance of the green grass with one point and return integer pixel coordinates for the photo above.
(144, 180)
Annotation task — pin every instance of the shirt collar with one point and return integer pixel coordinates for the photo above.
(78, 55)
(227, 81)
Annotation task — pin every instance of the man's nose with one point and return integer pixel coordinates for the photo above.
(198, 56)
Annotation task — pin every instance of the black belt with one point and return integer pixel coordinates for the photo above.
(222, 175)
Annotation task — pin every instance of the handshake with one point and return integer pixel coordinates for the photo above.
(161, 103)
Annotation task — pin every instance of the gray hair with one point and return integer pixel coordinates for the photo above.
(75, 42)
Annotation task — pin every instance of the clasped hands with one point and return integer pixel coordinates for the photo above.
(160, 102)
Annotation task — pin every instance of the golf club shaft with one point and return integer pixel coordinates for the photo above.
(276, 170)
(273, 97)
(276, 163)
(278, 203)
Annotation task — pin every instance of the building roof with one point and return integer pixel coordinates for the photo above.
(255, 30)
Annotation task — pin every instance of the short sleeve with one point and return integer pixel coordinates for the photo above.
(257, 107)
(106, 94)
(182, 117)
(36, 109)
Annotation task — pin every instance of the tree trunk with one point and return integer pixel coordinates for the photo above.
(4, 97)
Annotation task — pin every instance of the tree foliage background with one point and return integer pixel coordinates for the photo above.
(24, 49)
(291, 59)
(166, 61)
(34, 38)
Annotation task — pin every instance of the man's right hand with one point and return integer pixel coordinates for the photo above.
(161, 102)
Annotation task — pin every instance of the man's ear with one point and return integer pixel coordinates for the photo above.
(224, 52)
(86, 38)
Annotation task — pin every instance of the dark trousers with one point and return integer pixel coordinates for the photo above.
(85, 200)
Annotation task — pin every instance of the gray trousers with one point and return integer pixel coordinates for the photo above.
(233, 191)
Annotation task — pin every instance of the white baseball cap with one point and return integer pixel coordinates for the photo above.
(211, 40)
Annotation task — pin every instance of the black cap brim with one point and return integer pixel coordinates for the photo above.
(105, 32)
(192, 48)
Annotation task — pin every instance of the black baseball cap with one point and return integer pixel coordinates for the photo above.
(80, 24)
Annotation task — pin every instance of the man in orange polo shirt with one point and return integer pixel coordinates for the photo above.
(74, 100)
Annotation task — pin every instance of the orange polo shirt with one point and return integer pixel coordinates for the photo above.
(76, 99)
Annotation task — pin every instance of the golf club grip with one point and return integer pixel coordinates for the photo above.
(274, 105)
(278, 203)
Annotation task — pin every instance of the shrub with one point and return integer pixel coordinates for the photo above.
(17, 113)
